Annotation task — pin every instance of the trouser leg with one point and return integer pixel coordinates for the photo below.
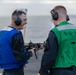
(61, 72)
(19, 71)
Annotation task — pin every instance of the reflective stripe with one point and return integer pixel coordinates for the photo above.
(70, 26)
(7, 28)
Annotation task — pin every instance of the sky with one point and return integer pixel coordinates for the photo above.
(35, 7)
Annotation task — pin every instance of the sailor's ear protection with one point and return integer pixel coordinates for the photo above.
(67, 18)
(55, 15)
(18, 20)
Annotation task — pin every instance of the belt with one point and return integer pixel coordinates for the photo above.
(21, 67)
(67, 68)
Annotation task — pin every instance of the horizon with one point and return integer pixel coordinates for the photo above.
(35, 7)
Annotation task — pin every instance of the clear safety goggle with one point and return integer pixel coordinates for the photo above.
(23, 10)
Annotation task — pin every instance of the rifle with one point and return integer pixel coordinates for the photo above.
(31, 45)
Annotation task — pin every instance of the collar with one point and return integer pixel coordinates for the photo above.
(64, 23)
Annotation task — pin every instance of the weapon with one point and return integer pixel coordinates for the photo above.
(31, 45)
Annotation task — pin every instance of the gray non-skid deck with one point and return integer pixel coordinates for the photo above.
(34, 64)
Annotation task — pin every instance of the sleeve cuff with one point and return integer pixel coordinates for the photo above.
(30, 53)
(42, 73)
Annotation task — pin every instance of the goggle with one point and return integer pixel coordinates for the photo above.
(25, 19)
(23, 10)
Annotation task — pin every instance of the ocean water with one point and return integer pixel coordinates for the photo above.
(37, 28)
